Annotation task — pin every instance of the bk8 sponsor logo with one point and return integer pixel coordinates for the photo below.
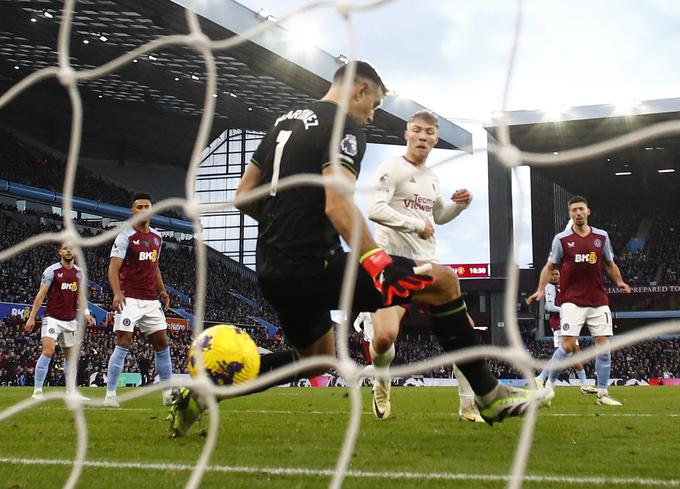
(586, 258)
(148, 255)
(72, 286)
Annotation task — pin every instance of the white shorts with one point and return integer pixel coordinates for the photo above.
(573, 317)
(557, 338)
(63, 332)
(147, 315)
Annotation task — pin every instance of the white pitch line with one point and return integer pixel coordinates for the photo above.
(359, 474)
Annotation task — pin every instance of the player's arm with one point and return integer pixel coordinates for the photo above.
(37, 302)
(84, 307)
(118, 253)
(389, 278)
(251, 179)
(556, 254)
(614, 273)
(114, 282)
(444, 212)
(89, 319)
(612, 268)
(379, 209)
(550, 298)
(341, 209)
(546, 273)
(162, 293)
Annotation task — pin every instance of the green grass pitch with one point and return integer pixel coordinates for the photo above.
(423, 445)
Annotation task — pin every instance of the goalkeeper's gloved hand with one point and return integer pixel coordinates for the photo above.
(392, 279)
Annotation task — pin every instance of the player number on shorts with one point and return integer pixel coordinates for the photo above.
(281, 140)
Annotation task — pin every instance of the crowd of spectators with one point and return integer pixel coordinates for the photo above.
(657, 261)
(24, 163)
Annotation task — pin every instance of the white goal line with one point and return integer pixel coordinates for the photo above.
(358, 474)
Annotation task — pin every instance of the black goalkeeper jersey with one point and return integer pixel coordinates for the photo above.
(294, 235)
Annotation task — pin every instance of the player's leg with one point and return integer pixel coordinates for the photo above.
(161, 347)
(583, 380)
(306, 327)
(188, 405)
(49, 333)
(123, 326)
(566, 349)
(67, 340)
(600, 324)
(572, 319)
(467, 408)
(450, 323)
(154, 326)
(541, 378)
(385, 331)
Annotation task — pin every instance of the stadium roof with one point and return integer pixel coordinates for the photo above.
(148, 111)
(573, 127)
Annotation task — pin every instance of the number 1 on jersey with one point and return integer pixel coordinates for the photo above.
(281, 140)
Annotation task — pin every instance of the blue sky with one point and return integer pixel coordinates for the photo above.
(452, 57)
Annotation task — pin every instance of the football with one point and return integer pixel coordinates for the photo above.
(230, 355)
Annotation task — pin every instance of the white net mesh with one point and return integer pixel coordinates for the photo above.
(511, 156)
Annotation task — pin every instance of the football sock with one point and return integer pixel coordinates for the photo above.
(560, 354)
(382, 359)
(272, 361)
(452, 327)
(164, 364)
(465, 392)
(116, 364)
(544, 374)
(603, 365)
(42, 366)
(581, 376)
(66, 374)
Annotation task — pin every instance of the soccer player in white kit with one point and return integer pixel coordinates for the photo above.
(137, 285)
(60, 283)
(405, 205)
(584, 253)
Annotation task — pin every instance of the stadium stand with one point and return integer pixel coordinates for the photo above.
(26, 164)
(644, 245)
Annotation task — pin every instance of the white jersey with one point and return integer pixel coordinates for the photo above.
(404, 197)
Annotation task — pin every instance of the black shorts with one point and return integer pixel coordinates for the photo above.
(304, 304)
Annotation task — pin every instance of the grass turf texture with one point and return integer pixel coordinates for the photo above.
(304, 428)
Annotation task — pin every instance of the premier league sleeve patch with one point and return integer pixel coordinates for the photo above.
(349, 145)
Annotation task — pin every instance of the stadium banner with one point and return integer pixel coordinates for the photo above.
(651, 289)
(328, 380)
(177, 324)
(23, 310)
(472, 270)
(17, 309)
(669, 381)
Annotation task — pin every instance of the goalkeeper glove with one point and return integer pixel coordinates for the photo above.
(392, 279)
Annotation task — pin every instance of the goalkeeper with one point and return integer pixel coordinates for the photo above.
(300, 262)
